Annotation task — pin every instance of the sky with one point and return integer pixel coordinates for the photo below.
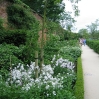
(89, 12)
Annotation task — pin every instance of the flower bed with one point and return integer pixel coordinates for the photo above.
(55, 82)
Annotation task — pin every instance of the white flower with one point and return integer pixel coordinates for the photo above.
(53, 83)
(64, 65)
(54, 58)
(45, 77)
(47, 87)
(18, 82)
(27, 87)
(54, 93)
(56, 63)
(47, 94)
(37, 80)
(22, 67)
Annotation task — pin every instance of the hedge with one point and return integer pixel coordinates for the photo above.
(79, 86)
(16, 37)
(94, 44)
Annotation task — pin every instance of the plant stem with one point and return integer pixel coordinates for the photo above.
(42, 38)
(10, 70)
(36, 64)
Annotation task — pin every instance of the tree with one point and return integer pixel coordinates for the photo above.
(67, 22)
(53, 8)
(50, 10)
(93, 28)
(84, 33)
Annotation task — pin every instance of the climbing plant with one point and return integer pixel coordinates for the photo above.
(20, 17)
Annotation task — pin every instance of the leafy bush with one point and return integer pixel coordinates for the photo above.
(70, 36)
(94, 44)
(51, 48)
(11, 92)
(79, 86)
(7, 56)
(16, 37)
(20, 16)
(68, 43)
(71, 53)
(47, 86)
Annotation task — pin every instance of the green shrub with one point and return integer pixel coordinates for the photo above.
(46, 86)
(94, 44)
(68, 43)
(70, 36)
(79, 86)
(16, 37)
(11, 92)
(51, 48)
(20, 17)
(70, 52)
(8, 56)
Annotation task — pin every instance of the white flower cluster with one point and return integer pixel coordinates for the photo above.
(65, 63)
(46, 78)
(19, 74)
(24, 77)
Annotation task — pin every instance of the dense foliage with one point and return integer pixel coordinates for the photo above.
(80, 81)
(20, 16)
(9, 55)
(71, 53)
(51, 84)
(62, 69)
(16, 37)
(68, 49)
(57, 77)
(53, 9)
(94, 44)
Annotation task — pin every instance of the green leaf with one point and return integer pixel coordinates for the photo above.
(56, 1)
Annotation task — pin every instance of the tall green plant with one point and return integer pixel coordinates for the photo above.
(43, 30)
(32, 46)
(42, 37)
(20, 16)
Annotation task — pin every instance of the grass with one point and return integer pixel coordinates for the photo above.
(79, 86)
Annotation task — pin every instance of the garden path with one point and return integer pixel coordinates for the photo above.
(90, 65)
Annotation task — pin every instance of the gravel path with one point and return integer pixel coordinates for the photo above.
(90, 63)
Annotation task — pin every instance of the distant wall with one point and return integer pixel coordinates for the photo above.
(3, 13)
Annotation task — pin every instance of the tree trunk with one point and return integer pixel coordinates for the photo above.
(41, 59)
(36, 64)
(42, 38)
(10, 71)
